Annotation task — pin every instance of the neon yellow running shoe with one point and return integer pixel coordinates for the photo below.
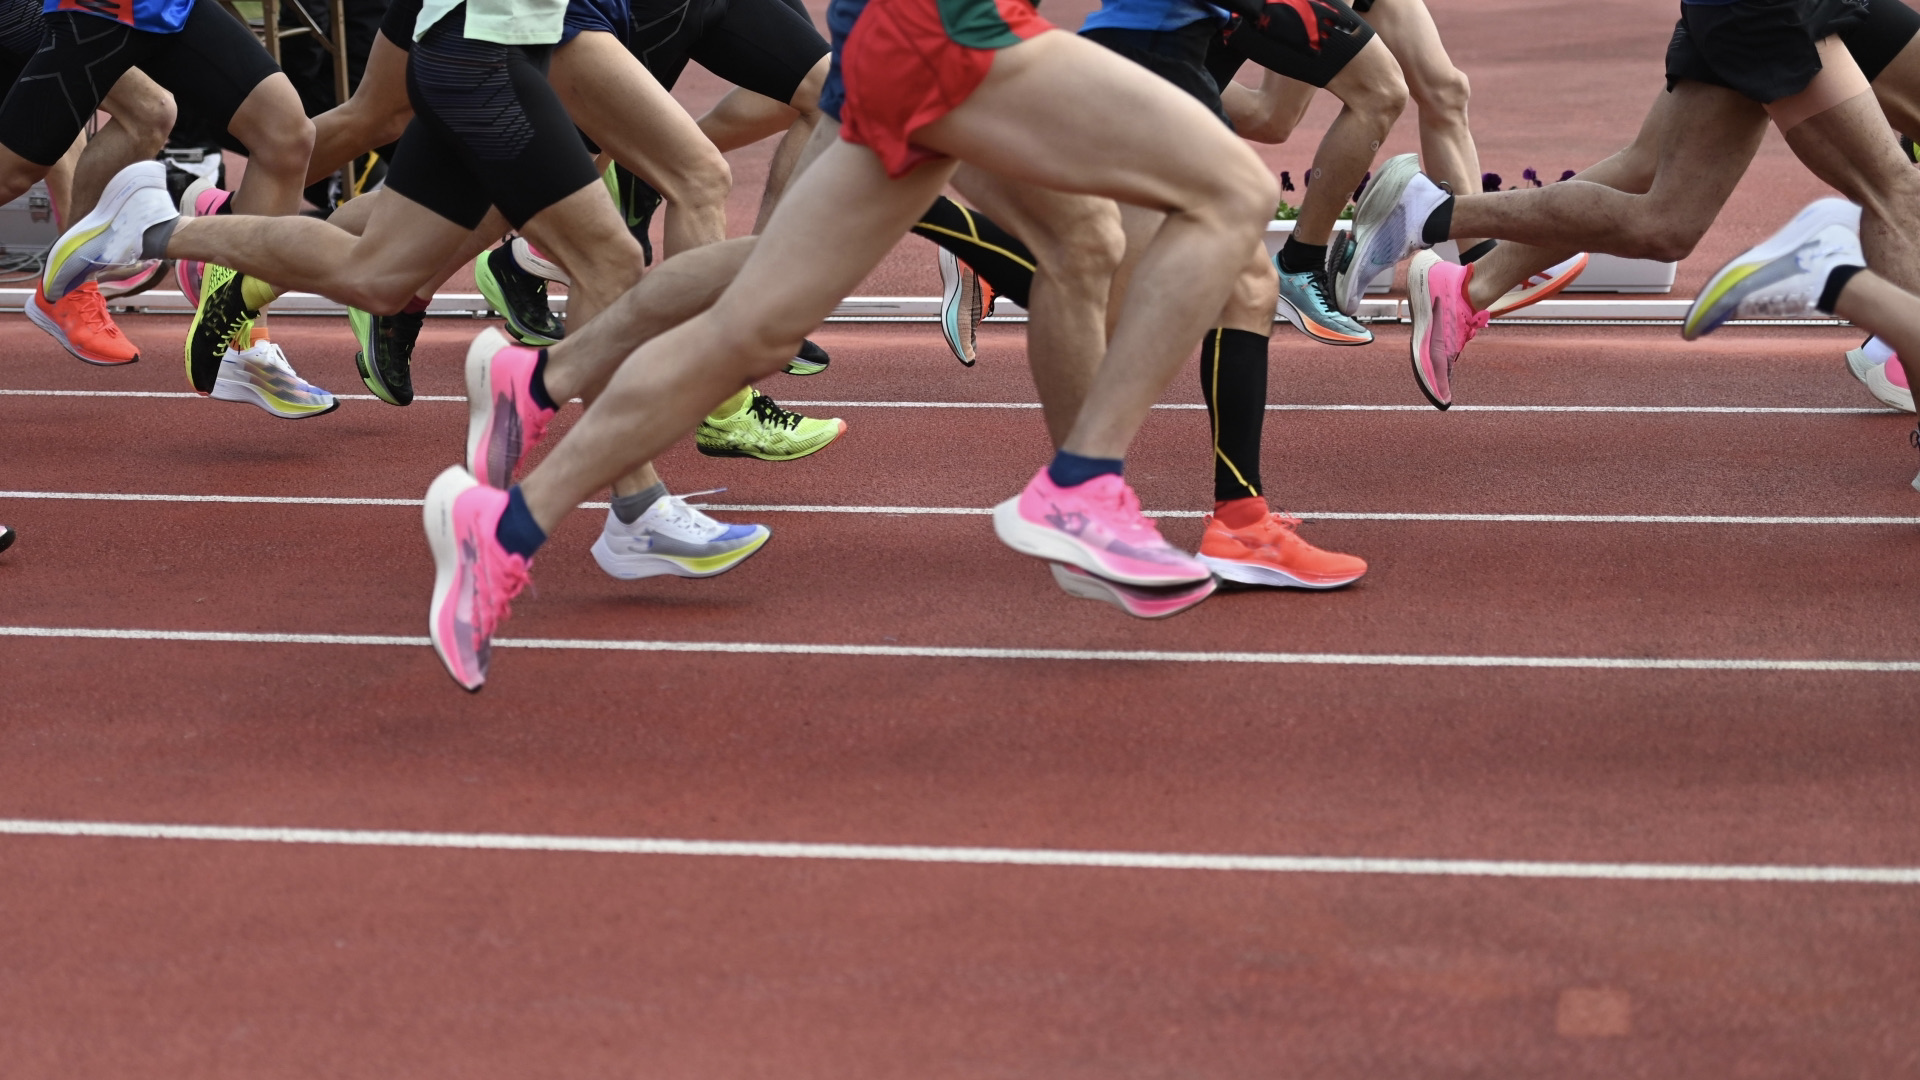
(221, 317)
(764, 430)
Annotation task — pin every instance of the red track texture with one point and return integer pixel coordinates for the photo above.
(148, 958)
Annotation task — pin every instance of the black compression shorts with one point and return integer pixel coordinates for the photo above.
(1764, 49)
(766, 46)
(1283, 41)
(211, 63)
(1178, 56)
(1875, 40)
(397, 25)
(20, 30)
(487, 130)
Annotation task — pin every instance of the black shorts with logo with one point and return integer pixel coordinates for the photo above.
(1178, 56)
(1764, 49)
(1285, 41)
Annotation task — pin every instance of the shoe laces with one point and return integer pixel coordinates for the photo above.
(769, 412)
(1321, 289)
(91, 307)
(494, 592)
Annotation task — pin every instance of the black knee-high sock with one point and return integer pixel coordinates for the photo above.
(993, 252)
(1233, 378)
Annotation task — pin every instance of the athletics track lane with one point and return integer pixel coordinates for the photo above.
(360, 962)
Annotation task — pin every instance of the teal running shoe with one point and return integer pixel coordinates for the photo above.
(1306, 301)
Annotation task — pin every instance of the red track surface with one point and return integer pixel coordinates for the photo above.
(176, 958)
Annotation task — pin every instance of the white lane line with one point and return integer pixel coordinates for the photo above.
(935, 652)
(981, 511)
(1730, 410)
(979, 856)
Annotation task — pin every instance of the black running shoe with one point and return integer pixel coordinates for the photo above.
(637, 200)
(810, 360)
(221, 316)
(518, 295)
(385, 358)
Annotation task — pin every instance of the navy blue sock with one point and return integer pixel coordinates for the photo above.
(537, 386)
(517, 531)
(1072, 470)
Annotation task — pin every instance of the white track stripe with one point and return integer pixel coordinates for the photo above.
(1728, 410)
(980, 511)
(936, 652)
(980, 856)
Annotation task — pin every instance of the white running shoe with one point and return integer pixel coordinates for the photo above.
(1386, 229)
(1873, 375)
(134, 201)
(533, 263)
(261, 376)
(961, 306)
(674, 537)
(1781, 277)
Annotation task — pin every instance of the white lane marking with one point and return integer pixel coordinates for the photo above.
(980, 511)
(937, 652)
(1737, 410)
(980, 856)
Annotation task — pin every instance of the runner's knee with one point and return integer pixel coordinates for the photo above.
(1664, 234)
(1380, 101)
(701, 178)
(280, 147)
(1442, 96)
(1083, 249)
(147, 112)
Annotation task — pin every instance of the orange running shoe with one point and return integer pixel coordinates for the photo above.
(1269, 552)
(80, 323)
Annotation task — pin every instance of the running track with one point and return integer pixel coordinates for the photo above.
(1574, 858)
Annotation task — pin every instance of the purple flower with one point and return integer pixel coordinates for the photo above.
(1568, 175)
(1490, 181)
(1363, 185)
(1530, 176)
(1286, 181)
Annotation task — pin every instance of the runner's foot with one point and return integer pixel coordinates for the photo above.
(1443, 322)
(764, 430)
(260, 375)
(1783, 276)
(505, 416)
(7, 537)
(223, 315)
(637, 201)
(1270, 552)
(1096, 526)
(1883, 377)
(519, 296)
(674, 537)
(113, 234)
(202, 198)
(965, 299)
(385, 358)
(1306, 301)
(1387, 228)
(80, 323)
(810, 360)
(475, 579)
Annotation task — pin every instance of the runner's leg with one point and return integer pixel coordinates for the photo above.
(1440, 90)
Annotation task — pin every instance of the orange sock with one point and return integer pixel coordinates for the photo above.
(1241, 513)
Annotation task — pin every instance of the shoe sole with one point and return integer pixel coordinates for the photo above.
(1251, 574)
(119, 290)
(635, 567)
(797, 366)
(123, 187)
(1028, 539)
(728, 451)
(1774, 259)
(437, 517)
(952, 294)
(1522, 298)
(1306, 325)
(1374, 209)
(496, 297)
(1874, 377)
(247, 395)
(362, 324)
(1135, 601)
(1420, 304)
(45, 322)
(479, 375)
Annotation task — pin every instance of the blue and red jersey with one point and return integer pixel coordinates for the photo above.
(153, 16)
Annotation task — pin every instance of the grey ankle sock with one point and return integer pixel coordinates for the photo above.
(153, 242)
(628, 508)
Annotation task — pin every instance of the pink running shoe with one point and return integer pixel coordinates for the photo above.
(1132, 599)
(474, 578)
(503, 421)
(199, 200)
(1096, 526)
(1443, 322)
